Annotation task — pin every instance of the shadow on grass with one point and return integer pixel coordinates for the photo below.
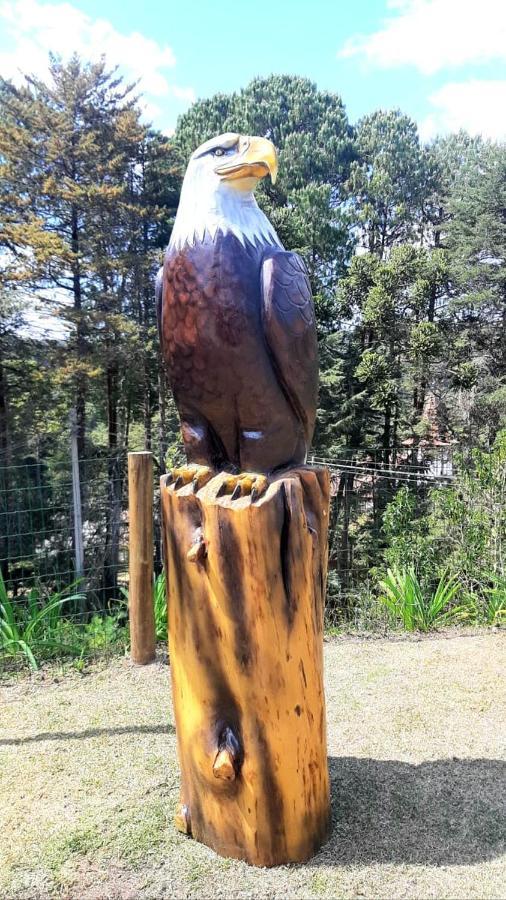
(445, 812)
(88, 733)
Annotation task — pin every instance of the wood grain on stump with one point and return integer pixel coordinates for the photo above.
(246, 584)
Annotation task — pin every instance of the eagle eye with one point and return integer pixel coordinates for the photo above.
(219, 151)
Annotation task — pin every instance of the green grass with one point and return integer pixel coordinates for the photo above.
(89, 782)
(79, 841)
(141, 832)
(131, 836)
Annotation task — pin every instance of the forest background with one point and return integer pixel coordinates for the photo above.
(405, 244)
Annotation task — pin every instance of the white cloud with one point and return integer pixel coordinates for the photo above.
(474, 105)
(35, 28)
(184, 93)
(434, 34)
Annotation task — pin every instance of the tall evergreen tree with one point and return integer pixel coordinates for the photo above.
(94, 184)
(476, 237)
(80, 128)
(389, 181)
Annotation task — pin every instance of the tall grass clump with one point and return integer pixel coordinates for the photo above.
(419, 608)
(495, 601)
(487, 600)
(160, 607)
(31, 629)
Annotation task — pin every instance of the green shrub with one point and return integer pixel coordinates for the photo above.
(461, 529)
(37, 627)
(488, 605)
(495, 601)
(406, 532)
(102, 631)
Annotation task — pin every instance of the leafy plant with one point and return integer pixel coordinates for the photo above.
(489, 604)
(160, 607)
(485, 600)
(102, 631)
(405, 528)
(495, 601)
(31, 630)
(419, 610)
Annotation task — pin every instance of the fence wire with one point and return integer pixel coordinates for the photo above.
(362, 485)
(71, 609)
(64, 608)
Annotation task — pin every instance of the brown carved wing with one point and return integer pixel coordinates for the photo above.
(290, 332)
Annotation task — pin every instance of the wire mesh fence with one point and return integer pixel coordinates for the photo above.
(362, 485)
(63, 603)
(37, 534)
(65, 576)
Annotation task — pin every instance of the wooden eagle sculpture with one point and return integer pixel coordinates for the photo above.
(237, 324)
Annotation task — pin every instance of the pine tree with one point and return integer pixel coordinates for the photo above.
(80, 128)
(389, 181)
(92, 180)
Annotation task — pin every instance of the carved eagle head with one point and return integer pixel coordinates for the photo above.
(217, 192)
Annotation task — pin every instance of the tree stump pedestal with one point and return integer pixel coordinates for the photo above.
(245, 586)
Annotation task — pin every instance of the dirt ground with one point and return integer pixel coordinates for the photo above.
(89, 782)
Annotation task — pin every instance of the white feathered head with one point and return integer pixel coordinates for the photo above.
(217, 192)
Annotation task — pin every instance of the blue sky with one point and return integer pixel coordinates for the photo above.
(441, 61)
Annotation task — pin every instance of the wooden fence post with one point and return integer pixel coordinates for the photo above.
(140, 593)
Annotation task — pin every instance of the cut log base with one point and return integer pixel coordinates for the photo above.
(246, 583)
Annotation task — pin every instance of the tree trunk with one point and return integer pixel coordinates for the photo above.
(162, 427)
(147, 407)
(80, 382)
(6, 496)
(385, 440)
(114, 490)
(246, 642)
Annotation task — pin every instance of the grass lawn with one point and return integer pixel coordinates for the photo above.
(416, 728)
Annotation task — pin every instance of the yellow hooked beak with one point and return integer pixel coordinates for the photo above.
(255, 158)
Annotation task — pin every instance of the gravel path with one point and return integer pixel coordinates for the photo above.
(89, 782)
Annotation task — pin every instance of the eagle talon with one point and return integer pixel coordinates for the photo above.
(201, 477)
(193, 474)
(243, 485)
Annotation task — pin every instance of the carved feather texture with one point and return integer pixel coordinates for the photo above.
(290, 332)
